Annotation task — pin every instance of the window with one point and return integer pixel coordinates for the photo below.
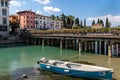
(4, 20)
(6, 3)
(4, 12)
(40, 21)
(3, 28)
(40, 17)
(2, 3)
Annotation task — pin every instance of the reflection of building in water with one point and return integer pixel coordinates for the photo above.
(109, 62)
(4, 18)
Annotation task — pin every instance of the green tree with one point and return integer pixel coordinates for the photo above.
(98, 21)
(85, 23)
(53, 17)
(58, 18)
(70, 21)
(63, 18)
(77, 21)
(81, 24)
(101, 22)
(93, 22)
(107, 24)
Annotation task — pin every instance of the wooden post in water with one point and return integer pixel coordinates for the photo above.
(79, 47)
(105, 47)
(43, 42)
(117, 50)
(66, 43)
(109, 49)
(61, 44)
(100, 47)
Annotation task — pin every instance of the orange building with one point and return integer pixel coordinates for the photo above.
(27, 19)
(14, 23)
(13, 18)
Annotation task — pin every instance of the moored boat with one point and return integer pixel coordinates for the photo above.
(76, 69)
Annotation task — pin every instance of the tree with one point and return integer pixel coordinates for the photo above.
(93, 22)
(53, 17)
(84, 23)
(77, 21)
(98, 21)
(107, 24)
(63, 18)
(81, 25)
(70, 21)
(58, 18)
(101, 22)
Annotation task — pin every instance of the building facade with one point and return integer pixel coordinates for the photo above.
(46, 23)
(14, 23)
(4, 18)
(57, 24)
(26, 19)
(43, 22)
(97, 26)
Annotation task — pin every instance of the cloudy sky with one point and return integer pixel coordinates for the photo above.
(83, 9)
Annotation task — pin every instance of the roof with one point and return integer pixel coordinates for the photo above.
(28, 11)
(43, 16)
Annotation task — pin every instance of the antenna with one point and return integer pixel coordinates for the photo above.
(31, 6)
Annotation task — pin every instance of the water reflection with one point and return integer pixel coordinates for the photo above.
(109, 62)
(14, 65)
(61, 54)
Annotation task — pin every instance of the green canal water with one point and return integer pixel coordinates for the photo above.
(16, 56)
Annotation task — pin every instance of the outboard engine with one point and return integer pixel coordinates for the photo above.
(44, 60)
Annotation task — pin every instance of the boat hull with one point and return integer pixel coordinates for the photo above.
(77, 73)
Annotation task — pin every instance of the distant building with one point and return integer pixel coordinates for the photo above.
(14, 23)
(57, 24)
(46, 23)
(43, 22)
(27, 19)
(4, 18)
(97, 26)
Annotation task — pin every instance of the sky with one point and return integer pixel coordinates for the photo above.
(82, 9)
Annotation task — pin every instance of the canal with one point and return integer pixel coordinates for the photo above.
(13, 57)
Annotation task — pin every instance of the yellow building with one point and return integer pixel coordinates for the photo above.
(14, 23)
(13, 18)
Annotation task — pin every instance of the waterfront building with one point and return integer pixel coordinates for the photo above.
(57, 24)
(97, 26)
(43, 22)
(4, 18)
(27, 19)
(14, 23)
(46, 23)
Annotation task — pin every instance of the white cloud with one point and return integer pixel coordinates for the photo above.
(16, 3)
(51, 9)
(45, 2)
(38, 12)
(115, 20)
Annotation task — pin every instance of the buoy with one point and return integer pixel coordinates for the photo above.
(38, 62)
(24, 76)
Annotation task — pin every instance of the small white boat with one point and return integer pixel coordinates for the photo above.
(76, 69)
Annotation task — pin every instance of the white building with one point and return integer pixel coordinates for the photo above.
(43, 22)
(46, 23)
(57, 24)
(4, 18)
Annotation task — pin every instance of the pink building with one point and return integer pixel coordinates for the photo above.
(27, 19)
